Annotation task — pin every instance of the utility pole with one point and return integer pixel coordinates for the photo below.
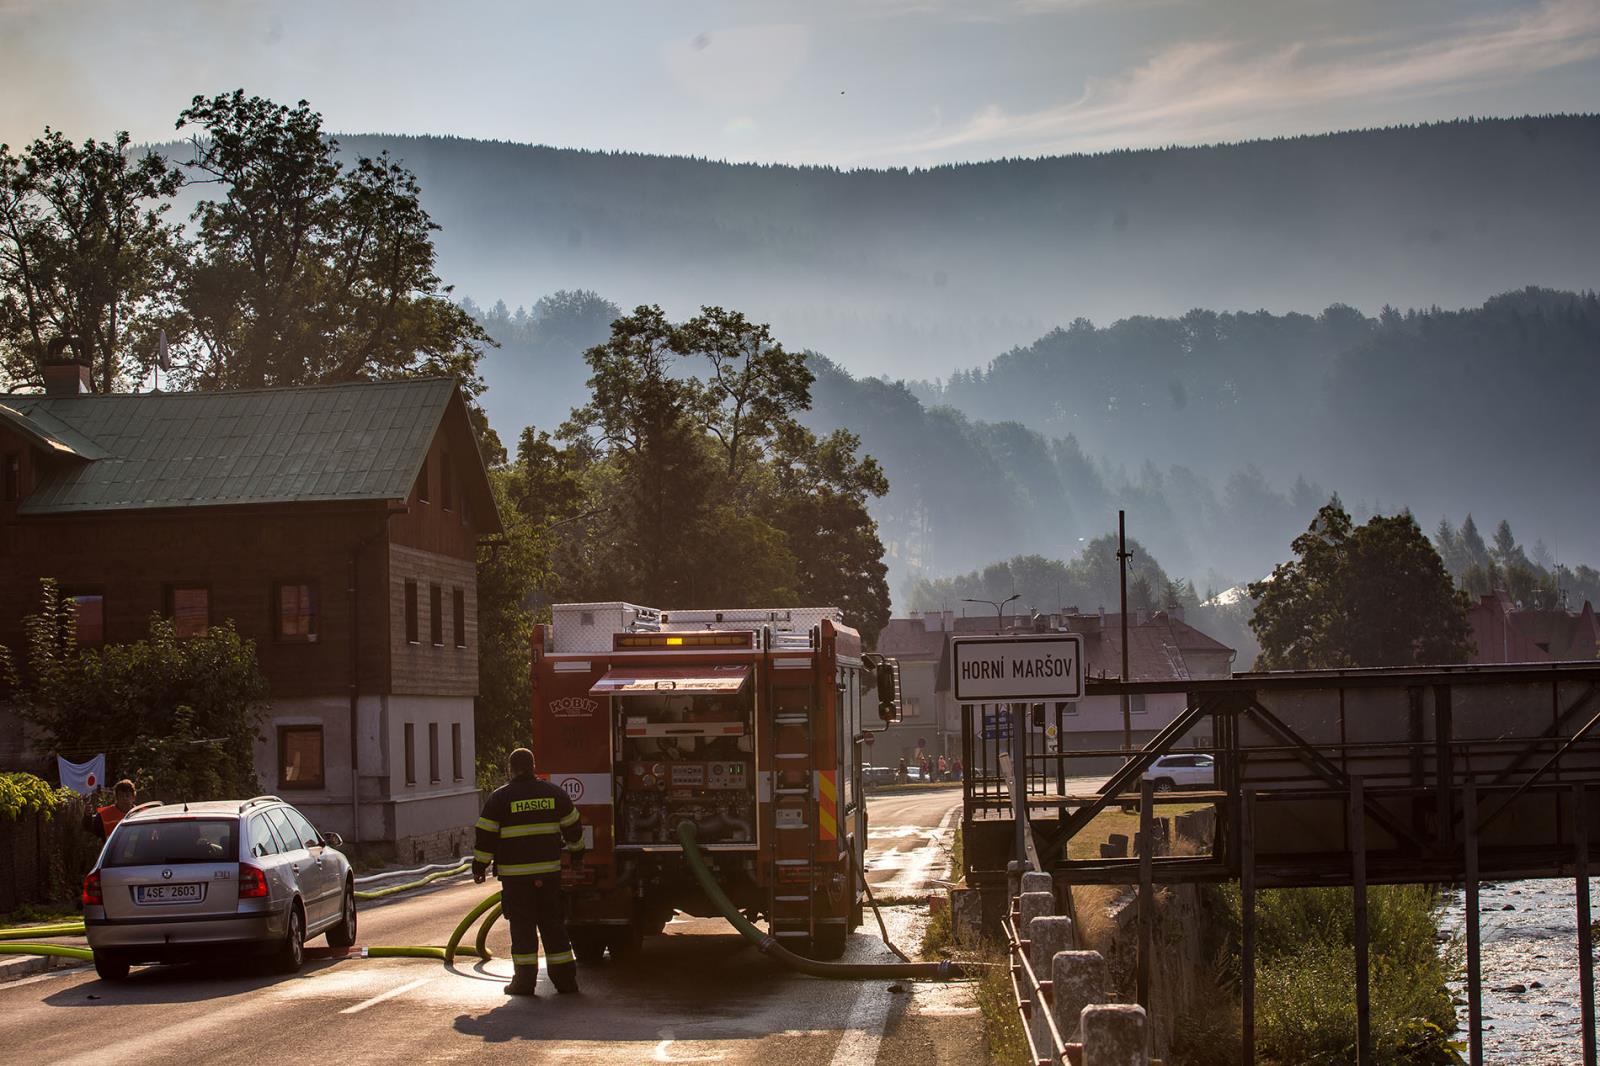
(1123, 555)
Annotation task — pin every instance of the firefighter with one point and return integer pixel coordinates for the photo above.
(525, 826)
(103, 820)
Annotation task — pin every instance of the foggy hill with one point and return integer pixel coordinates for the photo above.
(912, 273)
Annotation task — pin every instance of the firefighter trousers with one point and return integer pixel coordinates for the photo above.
(534, 908)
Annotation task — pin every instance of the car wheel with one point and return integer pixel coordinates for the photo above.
(110, 967)
(624, 941)
(828, 943)
(343, 934)
(292, 952)
(1164, 785)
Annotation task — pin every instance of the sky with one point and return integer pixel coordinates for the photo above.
(861, 83)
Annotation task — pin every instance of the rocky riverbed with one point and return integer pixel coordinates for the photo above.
(1531, 1013)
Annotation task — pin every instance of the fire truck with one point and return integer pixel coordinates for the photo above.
(749, 723)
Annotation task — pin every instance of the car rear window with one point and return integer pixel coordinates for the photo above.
(171, 841)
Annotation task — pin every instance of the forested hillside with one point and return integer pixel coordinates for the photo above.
(1219, 433)
(913, 273)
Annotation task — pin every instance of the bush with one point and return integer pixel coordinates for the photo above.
(179, 716)
(1305, 976)
(24, 794)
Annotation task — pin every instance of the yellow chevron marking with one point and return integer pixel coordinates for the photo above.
(827, 821)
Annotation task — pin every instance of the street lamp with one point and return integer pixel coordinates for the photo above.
(999, 608)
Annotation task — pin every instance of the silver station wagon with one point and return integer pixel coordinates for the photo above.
(180, 882)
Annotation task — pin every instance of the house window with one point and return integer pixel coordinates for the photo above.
(909, 707)
(411, 754)
(189, 607)
(445, 486)
(436, 615)
(412, 629)
(11, 476)
(89, 616)
(1136, 704)
(433, 752)
(422, 482)
(300, 756)
(455, 750)
(458, 611)
(297, 612)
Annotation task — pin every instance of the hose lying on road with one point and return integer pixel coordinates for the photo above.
(64, 929)
(59, 950)
(384, 875)
(938, 971)
(380, 893)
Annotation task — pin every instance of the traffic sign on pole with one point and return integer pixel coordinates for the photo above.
(1044, 666)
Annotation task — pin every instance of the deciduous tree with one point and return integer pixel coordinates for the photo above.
(1370, 595)
(85, 255)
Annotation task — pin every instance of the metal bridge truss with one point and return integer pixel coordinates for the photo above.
(1443, 775)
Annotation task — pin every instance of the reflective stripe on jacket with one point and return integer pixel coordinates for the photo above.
(525, 826)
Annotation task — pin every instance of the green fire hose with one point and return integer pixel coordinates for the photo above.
(768, 945)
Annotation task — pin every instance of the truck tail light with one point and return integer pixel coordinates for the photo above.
(252, 882)
(92, 893)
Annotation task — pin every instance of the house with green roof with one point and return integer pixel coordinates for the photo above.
(336, 526)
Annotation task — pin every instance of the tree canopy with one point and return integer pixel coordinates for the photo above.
(1370, 595)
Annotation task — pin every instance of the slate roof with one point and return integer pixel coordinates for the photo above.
(347, 442)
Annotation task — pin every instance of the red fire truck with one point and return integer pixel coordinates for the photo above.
(749, 723)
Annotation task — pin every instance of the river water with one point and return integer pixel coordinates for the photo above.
(1529, 929)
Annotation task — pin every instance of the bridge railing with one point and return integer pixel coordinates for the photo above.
(1067, 1015)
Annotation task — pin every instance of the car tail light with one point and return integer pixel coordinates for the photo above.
(252, 882)
(92, 893)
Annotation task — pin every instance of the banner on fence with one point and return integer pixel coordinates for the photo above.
(84, 778)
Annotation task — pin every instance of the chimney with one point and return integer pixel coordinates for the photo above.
(65, 372)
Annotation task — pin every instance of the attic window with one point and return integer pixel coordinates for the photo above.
(89, 617)
(11, 477)
(444, 481)
(422, 483)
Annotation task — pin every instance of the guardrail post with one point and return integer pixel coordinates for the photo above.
(1077, 979)
(1038, 881)
(1115, 1034)
(1048, 937)
(1031, 905)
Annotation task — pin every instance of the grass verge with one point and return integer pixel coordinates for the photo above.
(1002, 1025)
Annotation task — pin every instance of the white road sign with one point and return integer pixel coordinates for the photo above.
(1047, 666)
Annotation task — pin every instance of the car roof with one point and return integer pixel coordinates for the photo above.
(234, 808)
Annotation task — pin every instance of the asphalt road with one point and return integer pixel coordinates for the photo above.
(695, 994)
(909, 835)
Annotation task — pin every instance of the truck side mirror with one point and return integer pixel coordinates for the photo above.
(888, 678)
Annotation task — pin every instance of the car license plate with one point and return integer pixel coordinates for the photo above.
(188, 893)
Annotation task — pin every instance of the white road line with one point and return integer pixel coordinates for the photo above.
(379, 998)
(864, 1028)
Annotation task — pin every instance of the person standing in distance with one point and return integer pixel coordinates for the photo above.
(525, 825)
(103, 820)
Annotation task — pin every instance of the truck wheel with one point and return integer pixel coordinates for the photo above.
(624, 941)
(587, 943)
(110, 967)
(828, 943)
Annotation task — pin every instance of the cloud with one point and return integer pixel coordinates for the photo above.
(1197, 91)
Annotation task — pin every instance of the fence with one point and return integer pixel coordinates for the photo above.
(1066, 1014)
(43, 859)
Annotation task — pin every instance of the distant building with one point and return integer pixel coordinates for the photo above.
(1504, 632)
(1161, 647)
(336, 526)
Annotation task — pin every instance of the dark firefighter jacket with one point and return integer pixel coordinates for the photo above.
(525, 826)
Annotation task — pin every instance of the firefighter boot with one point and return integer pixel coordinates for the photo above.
(523, 981)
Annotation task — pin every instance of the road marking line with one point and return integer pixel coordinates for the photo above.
(663, 1051)
(393, 992)
(864, 1028)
